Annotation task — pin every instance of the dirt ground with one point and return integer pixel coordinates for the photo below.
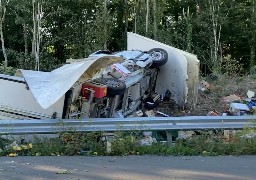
(213, 99)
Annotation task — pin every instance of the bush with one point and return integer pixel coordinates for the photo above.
(9, 70)
(231, 66)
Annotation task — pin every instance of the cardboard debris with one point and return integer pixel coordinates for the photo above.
(204, 86)
(213, 113)
(231, 98)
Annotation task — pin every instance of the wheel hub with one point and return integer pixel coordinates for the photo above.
(157, 56)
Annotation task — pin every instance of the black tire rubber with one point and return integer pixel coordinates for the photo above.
(149, 104)
(115, 86)
(163, 57)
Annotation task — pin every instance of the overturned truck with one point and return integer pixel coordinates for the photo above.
(104, 85)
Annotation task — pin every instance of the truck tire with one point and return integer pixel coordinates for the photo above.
(159, 55)
(114, 86)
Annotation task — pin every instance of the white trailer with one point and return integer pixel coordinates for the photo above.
(18, 102)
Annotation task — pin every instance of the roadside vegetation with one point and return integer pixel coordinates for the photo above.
(208, 143)
(218, 32)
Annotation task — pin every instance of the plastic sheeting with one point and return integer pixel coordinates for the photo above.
(49, 87)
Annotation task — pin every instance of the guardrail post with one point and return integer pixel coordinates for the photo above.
(169, 137)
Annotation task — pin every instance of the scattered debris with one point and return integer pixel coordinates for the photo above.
(204, 86)
(231, 98)
(229, 135)
(64, 172)
(213, 113)
(155, 113)
(213, 77)
(150, 113)
(238, 109)
(167, 96)
(158, 113)
(147, 140)
(14, 143)
(185, 134)
(12, 155)
(15, 148)
(139, 113)
(107, 139)
(249, 135)
(250, 94)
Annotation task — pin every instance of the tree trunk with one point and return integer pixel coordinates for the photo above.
(189, 29)
(147, 16)
(3, 10)
(135, 16)
(3, 46)
(155, 19)
(25, 36)
(105, 24)
(126, 22)
(38, 35)
(34, 30)
(216, 28)
(37, 16)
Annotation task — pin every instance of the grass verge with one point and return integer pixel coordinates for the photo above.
(126, 143)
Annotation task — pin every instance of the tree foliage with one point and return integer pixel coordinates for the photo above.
(213, 30)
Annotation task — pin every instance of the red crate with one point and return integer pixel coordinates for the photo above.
(100, 90)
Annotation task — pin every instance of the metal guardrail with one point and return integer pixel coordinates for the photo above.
(124, 124)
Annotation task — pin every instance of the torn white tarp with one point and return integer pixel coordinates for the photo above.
(49, 87)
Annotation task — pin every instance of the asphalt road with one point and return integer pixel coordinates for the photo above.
(128, 168)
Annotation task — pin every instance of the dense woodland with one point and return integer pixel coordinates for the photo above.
(42, 34)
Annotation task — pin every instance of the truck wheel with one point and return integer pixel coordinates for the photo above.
(115, 86)
(159, 55)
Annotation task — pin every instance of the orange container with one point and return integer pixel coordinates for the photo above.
(100, 90)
